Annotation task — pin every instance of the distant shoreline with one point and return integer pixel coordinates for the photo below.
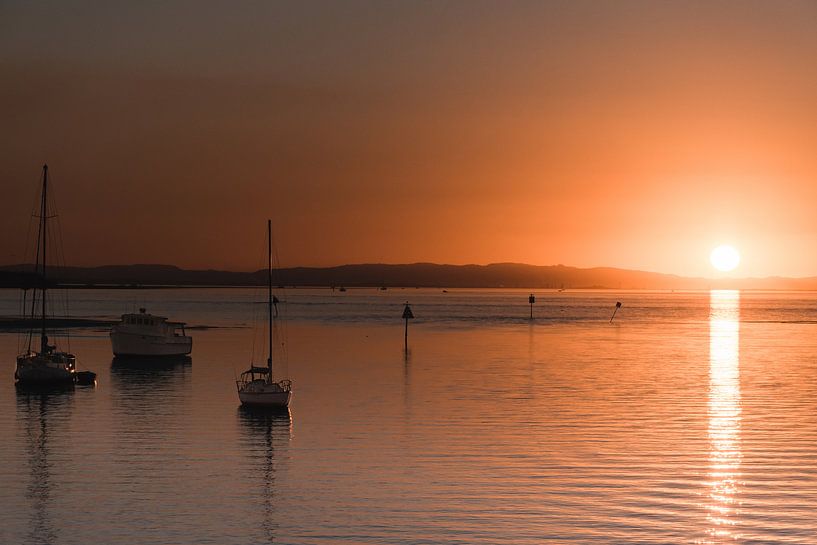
(14, 323)
(415, 275)
(679, 291)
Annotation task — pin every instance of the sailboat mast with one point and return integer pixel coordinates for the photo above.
(44, 232)
(269, 293)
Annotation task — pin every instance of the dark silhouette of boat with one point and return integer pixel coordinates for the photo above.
(256, 386)
(50, 365)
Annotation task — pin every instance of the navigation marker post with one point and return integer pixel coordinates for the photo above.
(407, 315)
(618, 306)
(531, 300)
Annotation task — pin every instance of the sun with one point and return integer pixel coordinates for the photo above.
(725, 258)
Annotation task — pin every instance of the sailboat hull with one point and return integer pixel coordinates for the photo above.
(265, 399)
(38, 370)
(263, 393)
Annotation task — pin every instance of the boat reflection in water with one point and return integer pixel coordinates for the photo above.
(41, 415)
(265, 440)
(724, 415)
(150, 395)
(138, 369)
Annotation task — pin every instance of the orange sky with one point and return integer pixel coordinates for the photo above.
(626, 134)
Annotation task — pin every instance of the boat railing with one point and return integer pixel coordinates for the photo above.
(247, 377)
(286, 385)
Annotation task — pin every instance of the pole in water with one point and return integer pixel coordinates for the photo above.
(531, 300)
(618, 306)
(407, 315)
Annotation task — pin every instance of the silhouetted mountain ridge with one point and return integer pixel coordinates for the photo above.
(495, 275)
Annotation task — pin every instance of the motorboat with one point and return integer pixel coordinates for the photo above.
(144, 334)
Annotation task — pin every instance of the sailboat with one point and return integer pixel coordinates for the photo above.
(48, 366)
(256, 386)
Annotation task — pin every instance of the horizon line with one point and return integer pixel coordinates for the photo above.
(381, 264)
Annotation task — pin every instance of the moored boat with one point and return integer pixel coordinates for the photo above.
(145, 334)
(256, 386)
(49, 366)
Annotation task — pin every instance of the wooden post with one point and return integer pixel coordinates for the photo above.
(407, 315)
(618, 306)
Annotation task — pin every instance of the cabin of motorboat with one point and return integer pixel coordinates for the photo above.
(145, 334)
(149, 322)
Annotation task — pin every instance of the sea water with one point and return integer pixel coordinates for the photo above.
(691, 418)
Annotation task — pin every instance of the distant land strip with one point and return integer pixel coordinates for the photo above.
(13, 323)
(421, 275)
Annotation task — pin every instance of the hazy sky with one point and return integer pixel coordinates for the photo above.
(626, 134)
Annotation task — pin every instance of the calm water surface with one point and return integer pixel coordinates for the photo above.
(692, 418)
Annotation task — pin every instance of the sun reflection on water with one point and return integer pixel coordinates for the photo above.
(724, 415)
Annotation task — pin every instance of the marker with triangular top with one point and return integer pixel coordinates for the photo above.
(407, 315)
(618, 306)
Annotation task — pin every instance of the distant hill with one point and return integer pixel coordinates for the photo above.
(496, 275)
(17, 279)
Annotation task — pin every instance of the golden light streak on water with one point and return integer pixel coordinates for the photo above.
(724, 416)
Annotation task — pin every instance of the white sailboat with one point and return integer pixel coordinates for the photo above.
(48, 366)
(256, 386)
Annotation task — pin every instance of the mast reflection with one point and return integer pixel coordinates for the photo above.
(38, 413)
(724, 415)
(267, 435)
